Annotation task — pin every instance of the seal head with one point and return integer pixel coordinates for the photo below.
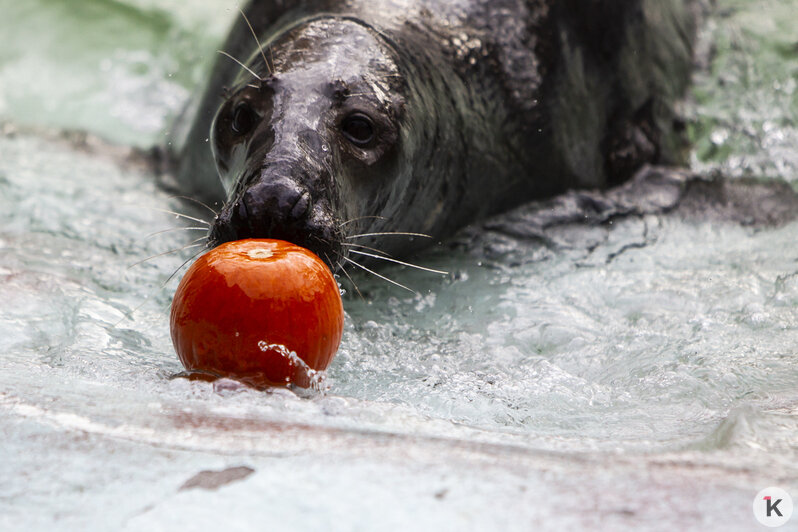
(308, 136)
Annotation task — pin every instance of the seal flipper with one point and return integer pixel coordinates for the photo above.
(750, 202)
(657, 190)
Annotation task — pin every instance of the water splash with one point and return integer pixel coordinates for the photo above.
(315, 378)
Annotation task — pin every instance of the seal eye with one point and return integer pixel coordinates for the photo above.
(358, 129)
(243, 119)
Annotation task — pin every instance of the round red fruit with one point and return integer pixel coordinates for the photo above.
(265, 312)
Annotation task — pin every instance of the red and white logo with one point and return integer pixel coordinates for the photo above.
(772, 507)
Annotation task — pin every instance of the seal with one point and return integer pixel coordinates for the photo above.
(341, 123)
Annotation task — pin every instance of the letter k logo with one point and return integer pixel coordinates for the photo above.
(772, 506)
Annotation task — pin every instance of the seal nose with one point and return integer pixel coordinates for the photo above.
(280, 208)
(275, 205)
(268, 209)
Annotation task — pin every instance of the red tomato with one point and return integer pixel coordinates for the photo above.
(264, 312)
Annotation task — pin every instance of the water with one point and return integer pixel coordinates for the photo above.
(642, 375)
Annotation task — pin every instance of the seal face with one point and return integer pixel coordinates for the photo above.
(346, 124)
(296, 137)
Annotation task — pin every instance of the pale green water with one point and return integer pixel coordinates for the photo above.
(747, 100)
(642, 386)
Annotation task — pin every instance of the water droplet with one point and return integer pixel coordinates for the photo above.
(719, 136)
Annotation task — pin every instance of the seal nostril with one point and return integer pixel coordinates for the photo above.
(301, 207)
(224, 228)
(242, 219)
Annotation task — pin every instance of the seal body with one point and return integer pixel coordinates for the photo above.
(339, 118)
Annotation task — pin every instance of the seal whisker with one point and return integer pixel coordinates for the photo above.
(361, 218)
(389, 259)
(191, 244)
(339, 267)
(129, 314)
(176, 229)
(194, 256)
(372, 272)
(354, 284)
(245, 67)
(361, 246)
(181, 215)
(255, 36)
(362, 235)
(198, 202)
